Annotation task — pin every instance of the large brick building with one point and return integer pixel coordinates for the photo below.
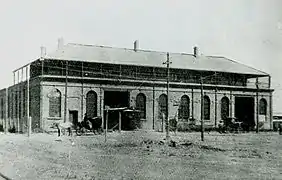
(97, 76)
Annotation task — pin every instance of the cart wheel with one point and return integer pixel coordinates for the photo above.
(78, 132)
(101, 130)
(94, 132)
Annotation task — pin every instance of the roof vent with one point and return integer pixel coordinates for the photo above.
(60, 43)
(196, 51)
(136, 45)
(42, 52)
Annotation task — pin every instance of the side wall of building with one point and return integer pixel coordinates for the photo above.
(35, 104)
(17, 106)
(2, 108)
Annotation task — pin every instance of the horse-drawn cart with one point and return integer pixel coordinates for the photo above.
(89, 124)
(118, 118)
(122, 118)
(230, 124)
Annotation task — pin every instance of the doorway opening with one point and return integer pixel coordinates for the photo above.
(244, 111)
(115, 99)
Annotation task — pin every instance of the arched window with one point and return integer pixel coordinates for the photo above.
(224, 108)
(184, 108)
(91, 104)
(262, 106)
(141, 104)
(55, 103)
(162, 106)
(207, 108)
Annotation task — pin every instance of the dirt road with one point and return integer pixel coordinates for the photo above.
(142, 155)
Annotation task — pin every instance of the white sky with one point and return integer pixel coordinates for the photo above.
(248, 31)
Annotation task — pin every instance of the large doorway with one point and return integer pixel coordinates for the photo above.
(115, 99)
(244, 111)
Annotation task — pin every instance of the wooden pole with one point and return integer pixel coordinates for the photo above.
(18, 77)
(154, 77)
(14, 78)
(27, 102)
(82, 90)
(17, 102)
(215, 108)
(18, 108)
(22, 75)
(6, 109)
(231, 104)
(41, 93)
(163, 119)
(192, 105)
(66, 93)
(270, 111)
(29, 126)
(119, 122)
(257, 104)
(270, 103)
(101, 109)
(106, 129)
(22, 107)
(154, 106)
(168, 99)
(202, 111)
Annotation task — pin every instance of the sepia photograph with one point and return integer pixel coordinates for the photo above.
(140, 89)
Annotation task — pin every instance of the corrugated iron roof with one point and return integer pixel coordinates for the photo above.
(103, 54)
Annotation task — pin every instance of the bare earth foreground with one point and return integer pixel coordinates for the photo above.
(142, 155)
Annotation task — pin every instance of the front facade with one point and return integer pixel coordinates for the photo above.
(78, 79)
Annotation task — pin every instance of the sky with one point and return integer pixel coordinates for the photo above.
(248, 31)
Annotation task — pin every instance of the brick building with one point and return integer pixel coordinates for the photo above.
(96, 76)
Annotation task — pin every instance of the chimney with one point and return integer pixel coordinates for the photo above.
(196, 51)
(60, 43)
(136, 44)
(42, 52)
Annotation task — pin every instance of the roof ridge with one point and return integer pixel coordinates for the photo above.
(143, 50)
(105, 46)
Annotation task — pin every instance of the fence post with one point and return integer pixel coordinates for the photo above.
(107, 114)
(29, 125)
(18, 125)
(119, 122)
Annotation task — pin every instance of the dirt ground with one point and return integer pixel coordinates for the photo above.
(142, 155)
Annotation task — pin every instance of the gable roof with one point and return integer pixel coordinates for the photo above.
(124, 56)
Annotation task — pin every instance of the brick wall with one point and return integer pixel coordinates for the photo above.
(39, 105)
